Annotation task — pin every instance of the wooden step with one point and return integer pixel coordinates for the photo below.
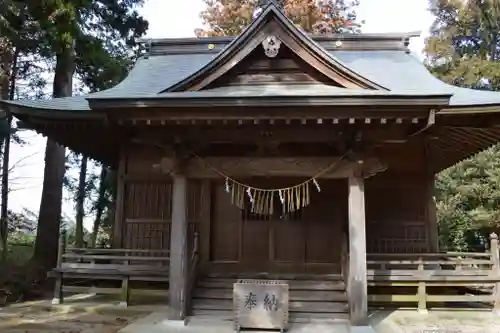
(317, 298)
(325, 285)
(294, 306)
(272, 276)
(297, 317)
(295, 295)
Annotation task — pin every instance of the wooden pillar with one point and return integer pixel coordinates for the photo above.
(119, 201)
(496, 271)
(357, 283)
(58, 286)
(178, 248)
(432, 221)
(431, 210)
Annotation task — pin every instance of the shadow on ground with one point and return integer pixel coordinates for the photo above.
(438, 320)
(99, 314)
(77, 315)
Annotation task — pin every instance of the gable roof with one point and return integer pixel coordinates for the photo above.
(397, 70)
(380, 60)
(273, 22)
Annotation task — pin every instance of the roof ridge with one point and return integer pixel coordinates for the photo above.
(334, 36)
(361, 42)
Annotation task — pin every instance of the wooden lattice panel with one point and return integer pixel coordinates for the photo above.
(397, 219)
(148, 213)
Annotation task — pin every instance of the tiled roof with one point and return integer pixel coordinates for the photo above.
(392, 68)
(400, 72)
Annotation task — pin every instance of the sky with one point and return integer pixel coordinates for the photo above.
(165, 20)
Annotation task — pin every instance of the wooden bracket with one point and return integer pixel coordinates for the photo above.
(431, 120)
(366, 165)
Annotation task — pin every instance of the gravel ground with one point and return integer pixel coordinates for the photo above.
(474, 321)
(36, 319)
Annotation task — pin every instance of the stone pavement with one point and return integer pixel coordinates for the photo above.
(156, 323)
(400, 321)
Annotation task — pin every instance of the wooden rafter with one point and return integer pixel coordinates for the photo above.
(454, 144)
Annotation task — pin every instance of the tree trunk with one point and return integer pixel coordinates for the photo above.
(49, 219)
(7, 65)
(80, 202)
(4, 214)
(112, 177)
(100, 205)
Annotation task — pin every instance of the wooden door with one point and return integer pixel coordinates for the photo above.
(305, 241)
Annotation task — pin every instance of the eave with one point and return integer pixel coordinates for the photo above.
(177, 101)
(19, 110)
(476, 109)
(462, 133)
(89, 135)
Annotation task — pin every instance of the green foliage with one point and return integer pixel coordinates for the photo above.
(463, 46)
(21, 238)
(95, 39)
(23, 223)
(463, 50)
(468, 200)
(20, 253)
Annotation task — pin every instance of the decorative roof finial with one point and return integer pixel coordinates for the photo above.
(262, 4)
(265, 3)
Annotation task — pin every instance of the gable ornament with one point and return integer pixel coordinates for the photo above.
(271, 45)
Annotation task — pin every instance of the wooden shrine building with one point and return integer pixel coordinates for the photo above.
(288, 155)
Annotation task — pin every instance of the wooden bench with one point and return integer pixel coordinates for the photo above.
(123, 265)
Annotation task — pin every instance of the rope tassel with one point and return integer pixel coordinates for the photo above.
(261, 200)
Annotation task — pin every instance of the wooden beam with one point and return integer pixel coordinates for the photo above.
(244, 167)
(178, 248)
(357, 287)
(261, 113)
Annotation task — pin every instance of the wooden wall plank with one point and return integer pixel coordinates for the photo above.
(397, 213)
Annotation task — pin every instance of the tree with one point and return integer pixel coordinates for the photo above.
(76, 35)
(80, 201)
(463, 46)
(463, 50)
(230, 17)
(14, 26)
(5, 63)
(101, 203)
(468, 197)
